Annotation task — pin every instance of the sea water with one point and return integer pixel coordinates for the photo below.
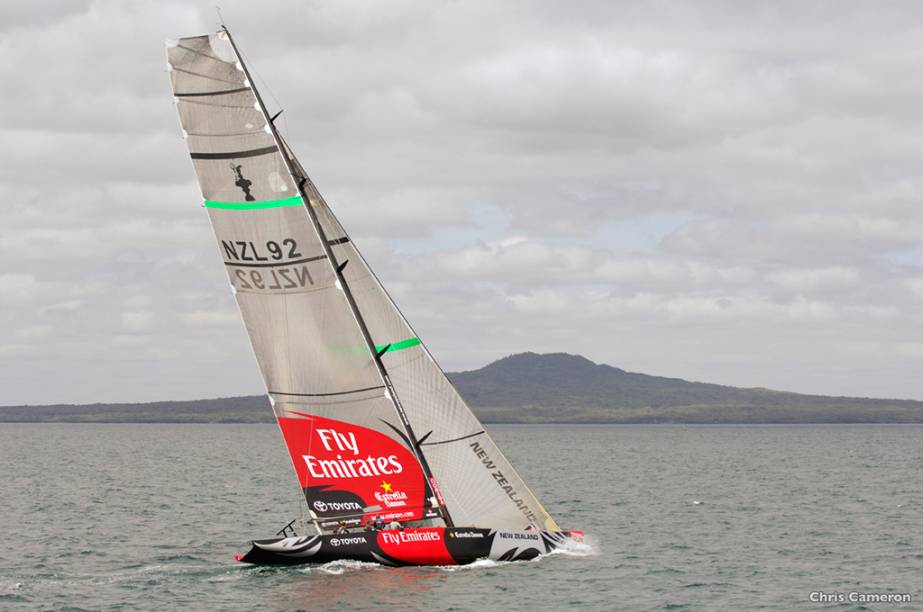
(698, 517)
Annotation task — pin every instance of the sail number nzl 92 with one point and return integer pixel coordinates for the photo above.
(270, 266)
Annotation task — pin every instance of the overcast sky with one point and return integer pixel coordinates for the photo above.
(719, 191)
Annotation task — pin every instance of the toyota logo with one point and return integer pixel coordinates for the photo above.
(320, 506)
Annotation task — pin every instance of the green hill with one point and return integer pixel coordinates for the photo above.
(533, 388)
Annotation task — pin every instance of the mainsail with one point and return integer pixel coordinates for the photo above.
(371, 422)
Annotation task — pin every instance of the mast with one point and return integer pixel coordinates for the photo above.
(338, 268)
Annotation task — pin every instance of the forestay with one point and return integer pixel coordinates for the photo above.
(352, 456)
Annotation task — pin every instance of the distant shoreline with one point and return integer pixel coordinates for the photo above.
(533, 389)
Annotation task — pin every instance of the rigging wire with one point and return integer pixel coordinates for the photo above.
(250, 65)
(264, 86)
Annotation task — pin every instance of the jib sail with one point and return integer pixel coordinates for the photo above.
(371, 422)
(477, 482)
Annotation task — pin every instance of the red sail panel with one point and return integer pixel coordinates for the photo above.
(345, 469)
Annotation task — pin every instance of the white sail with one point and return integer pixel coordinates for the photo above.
(371, 422)
(479, 484)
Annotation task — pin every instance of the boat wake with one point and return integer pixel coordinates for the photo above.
(479, 564)
(340, 566)
(572, 548)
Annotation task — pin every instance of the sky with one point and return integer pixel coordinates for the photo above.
(719, 191)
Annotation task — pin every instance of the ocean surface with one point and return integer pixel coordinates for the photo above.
(698, 517)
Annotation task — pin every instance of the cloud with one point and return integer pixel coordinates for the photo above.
(730, 194)
(815, 279)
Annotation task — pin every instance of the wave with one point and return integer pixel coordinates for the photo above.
(341, 566)
(478, 564)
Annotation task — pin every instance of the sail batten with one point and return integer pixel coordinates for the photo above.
(210, 93)
(236, 154)
(351, 391)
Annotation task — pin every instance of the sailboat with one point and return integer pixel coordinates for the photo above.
(377, 434)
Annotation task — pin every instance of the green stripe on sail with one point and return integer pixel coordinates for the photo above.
(398, 346)
(292, 201)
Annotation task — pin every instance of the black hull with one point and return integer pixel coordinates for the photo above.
(440, 546)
